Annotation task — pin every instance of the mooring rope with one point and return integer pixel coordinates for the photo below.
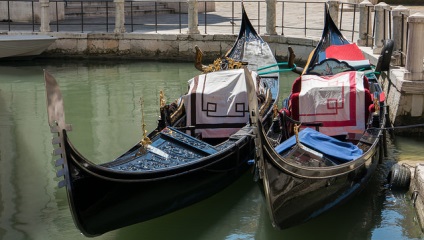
(275, 71)
(400, 127)
(272, 65)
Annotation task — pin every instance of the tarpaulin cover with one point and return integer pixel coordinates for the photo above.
(328, 146)
(338, 102)
(216, 103)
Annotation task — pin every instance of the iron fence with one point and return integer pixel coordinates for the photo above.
(293, 18)
(297, 18)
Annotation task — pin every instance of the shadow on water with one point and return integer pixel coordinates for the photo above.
(210, 219)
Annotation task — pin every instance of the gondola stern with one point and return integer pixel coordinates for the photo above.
(330, 33)
(246, 28)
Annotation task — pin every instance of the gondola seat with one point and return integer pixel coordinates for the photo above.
(332, 148)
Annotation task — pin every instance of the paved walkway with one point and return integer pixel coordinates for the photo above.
(293, 18)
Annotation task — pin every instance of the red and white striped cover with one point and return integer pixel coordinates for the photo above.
(337, 101)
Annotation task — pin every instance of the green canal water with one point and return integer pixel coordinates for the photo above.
(102, 104)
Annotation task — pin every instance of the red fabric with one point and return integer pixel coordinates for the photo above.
(286, 112)
(382, 97)
(294, 106)
(294, 100)
(344, 52)
(366, 83)
(297, 85)
(335, 106)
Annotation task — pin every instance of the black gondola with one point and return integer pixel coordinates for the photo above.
(180, 163)
(328, 141)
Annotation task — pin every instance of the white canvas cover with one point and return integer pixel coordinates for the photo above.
(217, 104)
(338, 102)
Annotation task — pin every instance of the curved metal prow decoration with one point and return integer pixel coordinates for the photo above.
(56, 119)
(55, 110)
(221, 63)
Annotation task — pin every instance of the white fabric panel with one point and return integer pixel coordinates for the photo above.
(338, 102)
(217, 99)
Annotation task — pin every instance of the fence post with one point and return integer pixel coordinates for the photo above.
(380, 24)
(193, 19)
(415, 52)
(399, 33)
(271, 19)
(334, 11)
(44, 16)
(365, 26)
(119, 16)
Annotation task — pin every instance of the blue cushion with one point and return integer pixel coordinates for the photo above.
(329, 146)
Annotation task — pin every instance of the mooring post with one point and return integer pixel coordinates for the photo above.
(415, 52)
(271, 18)
(119, 16)
(334, 11)
(193, 19)
(380, 26)
(365, 23)
(399, 15)
(44, 16)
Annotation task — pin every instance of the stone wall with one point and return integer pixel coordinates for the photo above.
(165, 46)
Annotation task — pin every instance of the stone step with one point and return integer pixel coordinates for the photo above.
(91, 9)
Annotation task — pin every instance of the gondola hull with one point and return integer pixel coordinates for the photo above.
(293, 200)
(100, 205)
(305, 172)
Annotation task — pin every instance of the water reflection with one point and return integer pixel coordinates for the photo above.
(102, 103)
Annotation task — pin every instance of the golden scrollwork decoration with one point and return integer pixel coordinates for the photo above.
(145, 140)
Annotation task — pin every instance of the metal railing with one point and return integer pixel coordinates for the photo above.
(353, 25)
(293, 18)
(296, 17)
